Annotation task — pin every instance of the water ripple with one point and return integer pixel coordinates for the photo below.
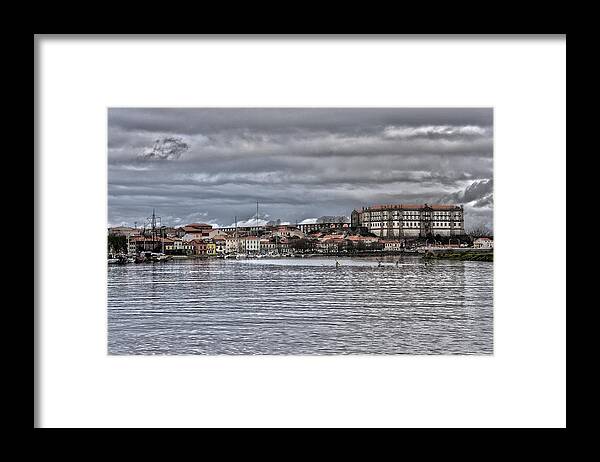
(301, 306)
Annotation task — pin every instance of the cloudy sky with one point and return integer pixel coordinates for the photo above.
(210, 165)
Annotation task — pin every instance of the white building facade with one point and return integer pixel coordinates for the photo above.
(232, 245)
(483, 243)
(179, 246)
(251, 244)
(393, 245)
(411, 220)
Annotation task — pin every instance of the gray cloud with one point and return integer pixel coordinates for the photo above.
(480, 192)
(478, 200)
(298, 163)
(166, 148)
(273, 120)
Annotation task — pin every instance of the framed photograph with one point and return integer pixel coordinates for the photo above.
(372, 231)
(300, 231)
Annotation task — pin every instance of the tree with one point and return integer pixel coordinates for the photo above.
(376, 246)
(480, 231)
(117, 244)
(298, 244)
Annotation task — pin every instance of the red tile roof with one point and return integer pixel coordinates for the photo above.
(413, 207)
(149, 239)
(358, 238)
(197, 227)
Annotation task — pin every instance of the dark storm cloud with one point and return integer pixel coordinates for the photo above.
(298, 163)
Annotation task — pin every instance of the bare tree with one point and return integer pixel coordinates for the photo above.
(480, 231)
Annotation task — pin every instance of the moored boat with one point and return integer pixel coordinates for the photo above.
(159, 257)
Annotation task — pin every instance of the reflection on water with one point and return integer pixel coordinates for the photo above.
(301, 306)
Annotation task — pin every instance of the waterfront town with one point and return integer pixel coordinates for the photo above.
(374, 230)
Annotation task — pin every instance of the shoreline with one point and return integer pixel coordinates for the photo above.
(305, 255)
(465, 254)
(474, 255)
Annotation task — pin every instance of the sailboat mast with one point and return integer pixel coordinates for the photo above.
(237, 242)
(153, 227)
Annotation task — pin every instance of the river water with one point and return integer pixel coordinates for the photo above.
(301, 306)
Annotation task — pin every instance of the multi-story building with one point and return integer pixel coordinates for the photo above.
(332, 244)
(411, 220)
(268, 245)
(243, 230)
(251, 244)
(217, 233)
(179, 247)
(283, 245)
(393, 245)
(172, 232)
(312, 227)
(142, 244)
(483, 243)
(196, 231)
(219, 245)
(233, 244)
(211, 247)
(199, 246)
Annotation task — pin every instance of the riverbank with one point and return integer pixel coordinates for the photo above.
(465, 254)
(307, 255)
(471, 255)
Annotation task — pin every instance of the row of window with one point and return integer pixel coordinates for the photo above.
(413, 214)
(413, 218)
(437, 224)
